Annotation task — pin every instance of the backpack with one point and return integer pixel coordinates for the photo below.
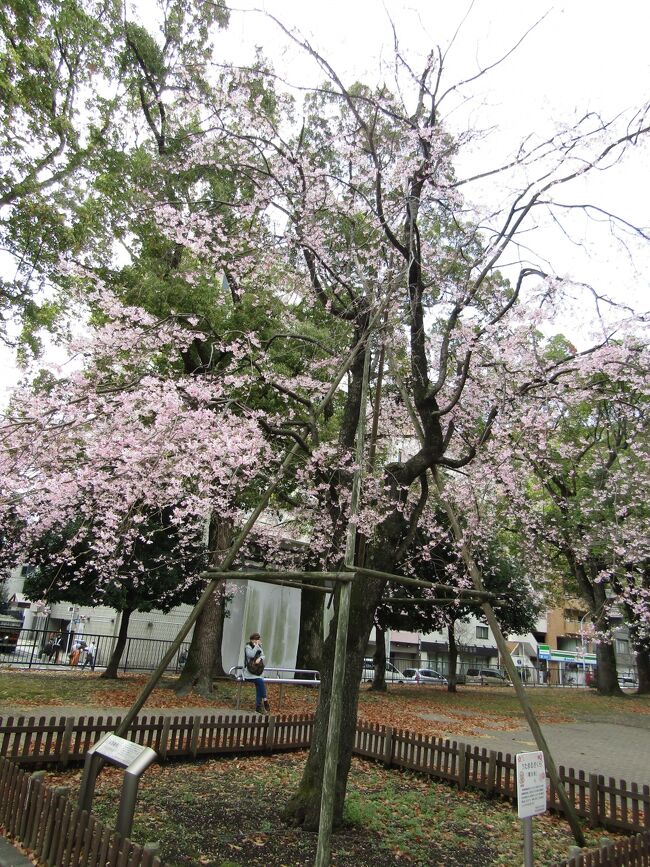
(255, 666)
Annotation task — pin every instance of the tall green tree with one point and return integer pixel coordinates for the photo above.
(78, 80)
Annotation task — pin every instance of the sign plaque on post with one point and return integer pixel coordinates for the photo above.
(531, 796)
(134, 758)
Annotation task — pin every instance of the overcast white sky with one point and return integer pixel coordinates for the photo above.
(585, 55)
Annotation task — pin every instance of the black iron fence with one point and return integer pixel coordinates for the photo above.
(39, 648)
(474, 671)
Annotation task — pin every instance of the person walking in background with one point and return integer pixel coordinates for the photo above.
(253, 668)
(57, 647)
(89, 659)
(48, 648)
(75, 653)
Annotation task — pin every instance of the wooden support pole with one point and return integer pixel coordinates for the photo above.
(328, 794)
(269, 574)
(299, 584)
(405, 600)
(420, 582)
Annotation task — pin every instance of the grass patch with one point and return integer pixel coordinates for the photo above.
(78, 688)
(226, 812)
(418, 709)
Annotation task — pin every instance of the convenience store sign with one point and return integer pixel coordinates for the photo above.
(545, 652)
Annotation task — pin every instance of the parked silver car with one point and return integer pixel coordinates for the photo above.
(487, 677)
(392, 674)
(424, 675)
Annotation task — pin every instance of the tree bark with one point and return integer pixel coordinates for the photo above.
(217, 669)
(304, 806)
(199, 666)
(453, 657)
(204, 660)
(310, 639)
(643, 670)
(110, 672)
(607, 677)
(379, 660)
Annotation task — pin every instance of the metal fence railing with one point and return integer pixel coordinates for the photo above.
(39, 648)
(472, 671)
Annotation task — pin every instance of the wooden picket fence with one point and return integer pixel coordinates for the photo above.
(41, 743)
(603, 802)
(57, 833)
(634, 852)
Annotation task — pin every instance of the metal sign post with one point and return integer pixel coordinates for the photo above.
(134, 758)
(531, 796)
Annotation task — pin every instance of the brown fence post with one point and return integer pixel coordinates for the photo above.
(66, 742)
(163, 746)
(194, 736)
(36, 777)
(491, 773)
(389, 741)
(462, 766)
(593, 800)
(270, 732)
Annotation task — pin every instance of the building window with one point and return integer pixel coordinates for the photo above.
(573, 614)
(622, 646)
(482, 632)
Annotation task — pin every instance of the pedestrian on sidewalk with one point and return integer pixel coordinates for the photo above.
(75, 653)
(57, 648)
(253, 667)
(89, 659)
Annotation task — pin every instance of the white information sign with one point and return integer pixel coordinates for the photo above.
(120, 751)
(531, 784)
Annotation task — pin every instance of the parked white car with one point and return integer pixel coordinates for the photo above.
(487, 677)
(424, 675)
(393, 675)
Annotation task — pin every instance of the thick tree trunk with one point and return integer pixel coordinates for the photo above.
(643, 670)
(199, 666)
(218, 669)
(304, 807)
(594, 595)
(379, 661)
(453, 657)
(204, 660)
(607, 676)
(310, 639)
(114, 662)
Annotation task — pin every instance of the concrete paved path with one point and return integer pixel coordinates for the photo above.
(11, 857)
(596, 746)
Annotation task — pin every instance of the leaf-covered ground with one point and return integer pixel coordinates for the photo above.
(428, 710)
(227, 812)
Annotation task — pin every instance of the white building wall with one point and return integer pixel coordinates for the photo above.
(271, 610)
